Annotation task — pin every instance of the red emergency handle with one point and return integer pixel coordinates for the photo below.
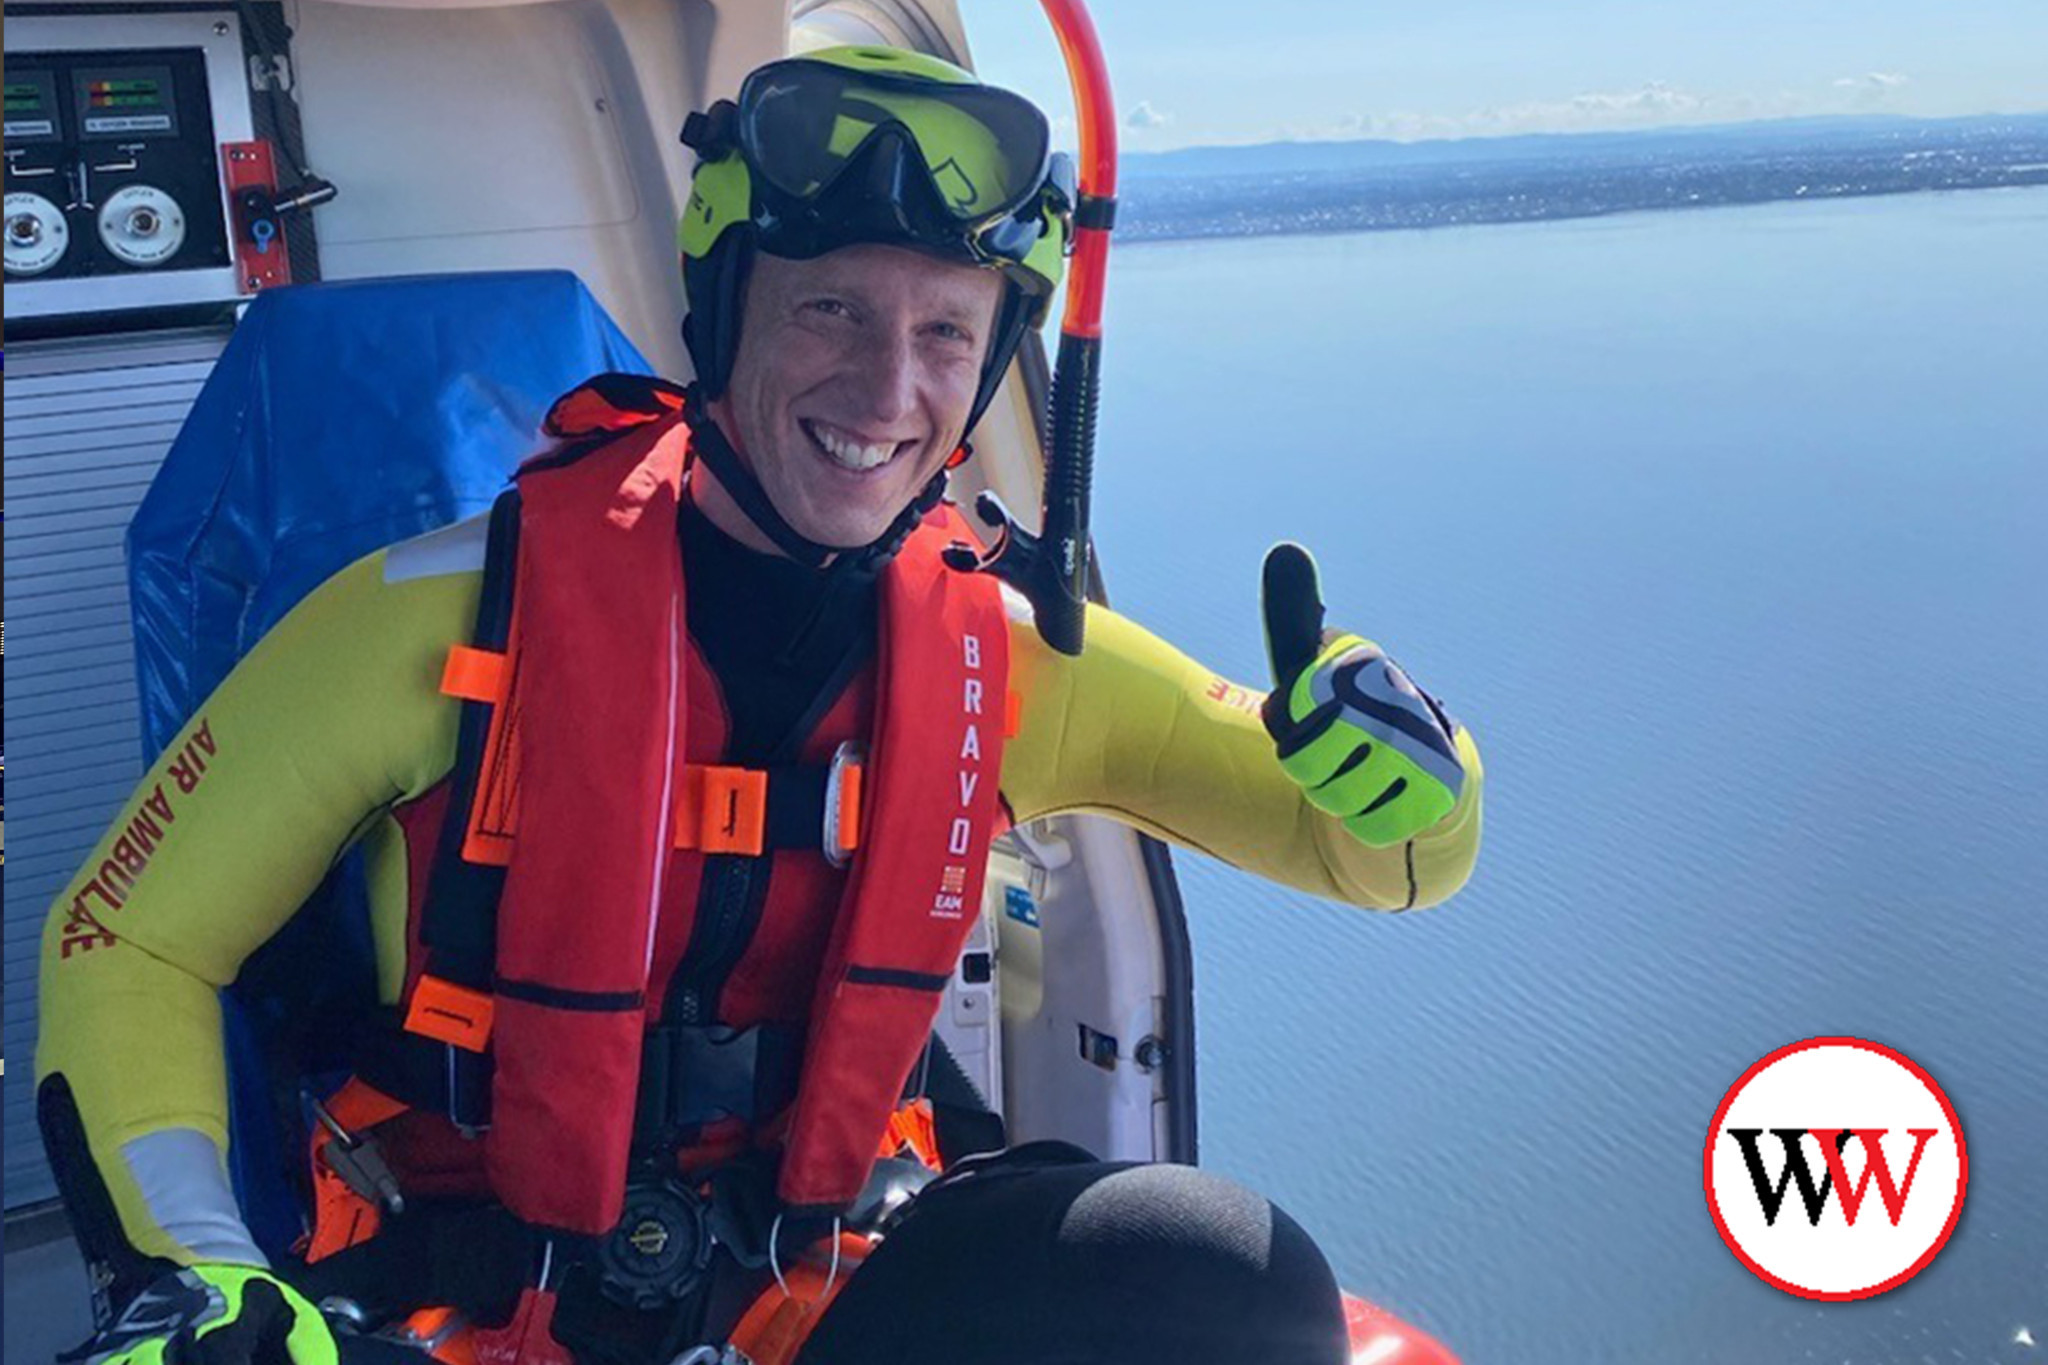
(261, 260)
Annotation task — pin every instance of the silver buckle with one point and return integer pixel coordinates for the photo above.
(712, 1355)
(360, 1164)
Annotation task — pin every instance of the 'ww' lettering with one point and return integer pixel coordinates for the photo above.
(1894, 1197)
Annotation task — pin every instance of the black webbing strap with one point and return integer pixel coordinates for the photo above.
(418, 1071)
(796, 807)
(692, 1075)
(477, 1259)
(794, 813)
(965, 1123)
(459, 923)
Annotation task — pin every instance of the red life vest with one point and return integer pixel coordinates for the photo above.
(587, 773)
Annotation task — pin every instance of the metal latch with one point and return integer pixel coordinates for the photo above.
(359, 1163)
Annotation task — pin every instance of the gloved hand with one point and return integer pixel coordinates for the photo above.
(216, 1315)
(1367, 745)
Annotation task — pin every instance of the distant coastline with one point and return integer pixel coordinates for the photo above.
(1366, 186)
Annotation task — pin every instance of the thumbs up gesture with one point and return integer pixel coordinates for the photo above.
(1366, 744)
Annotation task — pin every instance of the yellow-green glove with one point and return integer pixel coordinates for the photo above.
(216, 1315)
(1365, 743)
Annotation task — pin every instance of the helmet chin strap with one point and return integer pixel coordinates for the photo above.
(709, 443)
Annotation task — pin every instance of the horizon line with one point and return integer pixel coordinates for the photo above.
(1640, 131)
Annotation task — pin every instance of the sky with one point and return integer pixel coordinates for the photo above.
(1207, 72)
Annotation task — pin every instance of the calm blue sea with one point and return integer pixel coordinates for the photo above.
(1727, 533)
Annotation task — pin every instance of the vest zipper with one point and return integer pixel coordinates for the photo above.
(733, 891)
(726, 911)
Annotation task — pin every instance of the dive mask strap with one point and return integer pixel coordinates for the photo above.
(712, 133)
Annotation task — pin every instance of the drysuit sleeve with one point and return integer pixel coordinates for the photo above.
(333, 717)
(1136, 730)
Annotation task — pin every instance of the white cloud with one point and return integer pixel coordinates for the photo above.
(1143, 115)
(1404, 126)
(1653, 104)
(1871, 91)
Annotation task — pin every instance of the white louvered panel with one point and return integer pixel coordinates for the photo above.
(77, 490)
(66, 659)
(96, 523)
(70, 592)
(89, 629)
(80, 572)
(107, 692)
(87, 424)
(47, 420)
(80, 706)
(118, 445)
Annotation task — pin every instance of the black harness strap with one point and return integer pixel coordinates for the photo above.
(965, 1123)
(459, 923)
(693, 1075)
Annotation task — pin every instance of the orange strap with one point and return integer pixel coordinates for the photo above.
(775, 1326)
(725, 810)
(849, 807)
(443, 1333)
(914, 1126)
(450, 1014)
(359, 1106)
(722, 810)
(483, 675)
(341, 1217)
(473, 674)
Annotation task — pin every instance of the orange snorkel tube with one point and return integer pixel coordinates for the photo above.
(1051, 568)
(1077, 374)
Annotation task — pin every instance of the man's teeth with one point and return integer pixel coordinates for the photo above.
(851, 454)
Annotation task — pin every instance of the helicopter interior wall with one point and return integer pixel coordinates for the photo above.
(513, 137)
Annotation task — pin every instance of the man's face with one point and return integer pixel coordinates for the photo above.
(853, 382)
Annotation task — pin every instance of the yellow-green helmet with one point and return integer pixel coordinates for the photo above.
(871, 144)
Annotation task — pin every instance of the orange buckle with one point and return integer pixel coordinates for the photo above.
(451, 1014)
(842, 803)
(473, 674)
(722, 810)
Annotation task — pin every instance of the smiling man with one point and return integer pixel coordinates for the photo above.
(669, 871)
(855, 376)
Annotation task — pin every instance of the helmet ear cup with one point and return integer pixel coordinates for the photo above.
(716, 287)
(1014, 317)
(715, 239)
